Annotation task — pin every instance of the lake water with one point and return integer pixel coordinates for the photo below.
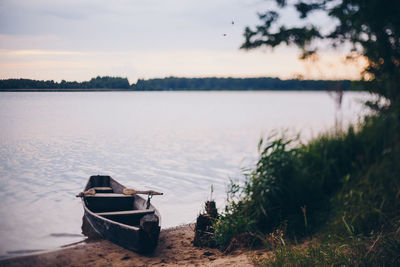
(179, 143)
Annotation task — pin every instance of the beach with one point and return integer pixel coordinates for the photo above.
(175, 248)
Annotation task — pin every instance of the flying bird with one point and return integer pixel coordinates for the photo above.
(233, 22)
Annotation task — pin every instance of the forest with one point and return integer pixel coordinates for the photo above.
(175, 83)
(94, 83)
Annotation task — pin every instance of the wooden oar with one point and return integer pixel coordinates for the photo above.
(128, 191)
(90, 192)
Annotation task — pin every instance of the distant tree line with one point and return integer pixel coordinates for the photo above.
(95, 83)
(176, 83)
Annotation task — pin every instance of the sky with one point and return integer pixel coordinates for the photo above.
(142, 39)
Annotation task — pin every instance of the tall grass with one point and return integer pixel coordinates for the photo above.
(343, 184)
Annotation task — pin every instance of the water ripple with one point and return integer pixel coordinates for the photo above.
(177, 143)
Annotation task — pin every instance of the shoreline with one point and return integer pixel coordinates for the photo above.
(174, 90)
(174, 248)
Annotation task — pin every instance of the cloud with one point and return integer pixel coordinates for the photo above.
(126, 25)
(70, 65)
(79, 39)
(24, 53)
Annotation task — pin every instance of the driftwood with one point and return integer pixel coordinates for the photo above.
(128, 191)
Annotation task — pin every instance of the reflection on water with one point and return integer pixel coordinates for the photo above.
(88, 231)
(23, 251)
(65, 235)
(178, 143)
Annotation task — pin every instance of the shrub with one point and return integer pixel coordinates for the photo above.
(348, 178)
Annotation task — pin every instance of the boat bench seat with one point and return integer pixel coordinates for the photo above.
(126, 212)
(100, 195)
(109, 202)
(128, 217)
(103, 189)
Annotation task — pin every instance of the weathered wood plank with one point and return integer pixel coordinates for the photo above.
(100, 195)
(109, 202)
(103, 189)
(126, 212)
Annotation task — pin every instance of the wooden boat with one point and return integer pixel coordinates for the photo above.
(120, 214)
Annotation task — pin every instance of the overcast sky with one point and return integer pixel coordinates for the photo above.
(80, 39)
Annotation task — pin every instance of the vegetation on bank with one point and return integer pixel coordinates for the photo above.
(176, 83)
(341, 191)
(336, 200)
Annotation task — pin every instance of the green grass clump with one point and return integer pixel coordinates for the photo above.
(380, 250)
(313, 254)
(332, 249)
(343, 185)
(291, 184)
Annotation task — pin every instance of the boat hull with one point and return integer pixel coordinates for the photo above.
(133, 237)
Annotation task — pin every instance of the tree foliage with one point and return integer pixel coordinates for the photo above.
(95, 83)
(213, 83)
(372, 27)
(177, 83)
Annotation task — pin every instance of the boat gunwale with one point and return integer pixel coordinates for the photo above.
(130, 227)
(108, 220)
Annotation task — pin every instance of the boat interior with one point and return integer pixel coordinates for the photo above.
(109, 202)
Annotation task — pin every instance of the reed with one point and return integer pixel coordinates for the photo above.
(341, 189)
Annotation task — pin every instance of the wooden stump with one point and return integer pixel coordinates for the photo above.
(204, 229)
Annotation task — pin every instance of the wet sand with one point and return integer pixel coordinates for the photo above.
(175, 248)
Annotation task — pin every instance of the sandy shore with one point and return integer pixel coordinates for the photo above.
(174, 248)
